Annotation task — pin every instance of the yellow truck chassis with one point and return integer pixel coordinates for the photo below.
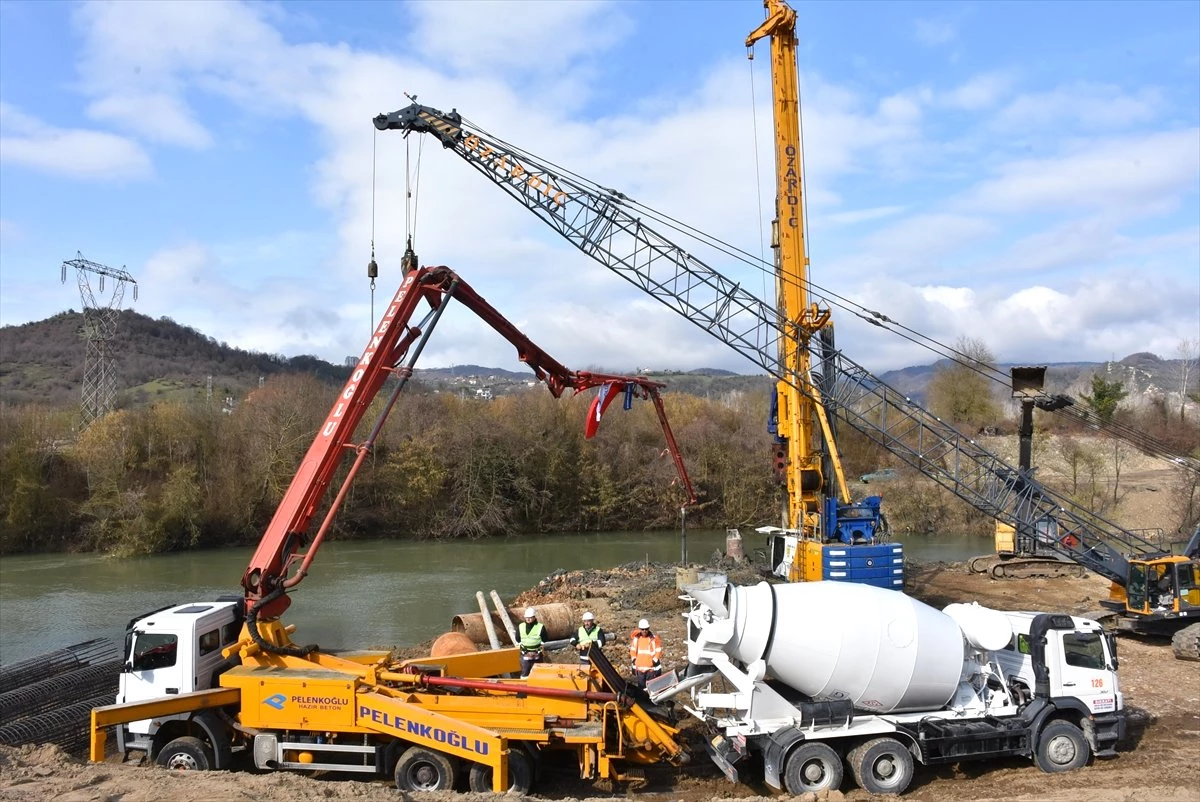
(361, 713)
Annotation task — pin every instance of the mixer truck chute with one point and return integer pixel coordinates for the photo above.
(613, 228)
(207, 681)
(890, 682)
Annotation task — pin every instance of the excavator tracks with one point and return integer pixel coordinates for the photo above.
(1024, 568)
(1186, 643)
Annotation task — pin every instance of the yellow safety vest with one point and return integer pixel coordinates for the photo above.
(584, 637)
(531, 636)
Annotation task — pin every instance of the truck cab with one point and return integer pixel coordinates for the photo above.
(1078, 659)
(174, 650)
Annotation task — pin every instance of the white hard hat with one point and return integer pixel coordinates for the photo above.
(530, 612)
(643, 624)
(589, 617)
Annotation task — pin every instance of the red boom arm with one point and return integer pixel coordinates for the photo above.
(267, 577)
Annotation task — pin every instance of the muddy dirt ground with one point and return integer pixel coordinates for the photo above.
(1159, 761)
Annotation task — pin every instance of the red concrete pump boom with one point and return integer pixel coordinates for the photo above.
(286, 541)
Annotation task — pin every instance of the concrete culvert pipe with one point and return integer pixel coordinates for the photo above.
(557, 618)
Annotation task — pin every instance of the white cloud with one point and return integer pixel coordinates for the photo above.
(981, 92)
(863, 215)
(1088, 106)
(74, 152)
(928, 237)
(1149, 171)
(540, 36)
(158, 117)
(1105, 314)
(1079, 241)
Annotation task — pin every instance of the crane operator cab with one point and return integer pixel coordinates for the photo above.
(1164, 585)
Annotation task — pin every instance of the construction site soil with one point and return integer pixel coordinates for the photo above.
(1156, 762)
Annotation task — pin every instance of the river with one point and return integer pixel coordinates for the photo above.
(359, 594)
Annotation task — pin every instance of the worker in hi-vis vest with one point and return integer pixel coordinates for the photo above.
(589, 632)
(645, 654)
(530, 633)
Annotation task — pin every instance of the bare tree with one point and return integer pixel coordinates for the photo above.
(1120, 455)
(960, 392)
(1186, 352)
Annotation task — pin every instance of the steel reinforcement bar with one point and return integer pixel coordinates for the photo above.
(67, 726)
(14, 675)
(65, 689)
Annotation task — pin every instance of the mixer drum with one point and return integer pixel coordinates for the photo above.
(882, 650)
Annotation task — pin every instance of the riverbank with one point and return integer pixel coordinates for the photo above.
(1156, 761)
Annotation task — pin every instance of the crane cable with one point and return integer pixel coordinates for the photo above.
(833, 299)
(373, 266)
(412, 188)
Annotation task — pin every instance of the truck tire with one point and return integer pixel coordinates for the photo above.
(812, 767)
(520, 774)
(1061, 747)
(186, 754)
(420, 769)
(881, 766)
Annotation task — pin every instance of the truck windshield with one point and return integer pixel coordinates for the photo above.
(153, 650)
(1084, 649)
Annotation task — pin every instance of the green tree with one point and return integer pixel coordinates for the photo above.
(40, 485)
(961, 392)
(1105, 397)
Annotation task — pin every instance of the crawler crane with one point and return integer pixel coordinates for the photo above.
(814, 378)
(823, 534)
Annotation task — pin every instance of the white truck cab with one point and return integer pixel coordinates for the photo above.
(174, 650)
(1084, 660)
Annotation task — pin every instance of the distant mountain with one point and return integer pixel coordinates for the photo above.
(43, 362)
(1144, 375)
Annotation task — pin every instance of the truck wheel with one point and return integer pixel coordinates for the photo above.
(1062, 747)
(881, 766)
(520, 774)
(186, 754)
(420, 769)
(812, 767)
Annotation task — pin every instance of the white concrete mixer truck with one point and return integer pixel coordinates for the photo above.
(880, 681)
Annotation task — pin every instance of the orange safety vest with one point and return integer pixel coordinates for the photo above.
(645, 651)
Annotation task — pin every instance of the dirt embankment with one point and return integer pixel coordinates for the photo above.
(1157, 761)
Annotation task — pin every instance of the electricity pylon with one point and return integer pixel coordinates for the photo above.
(99, 326)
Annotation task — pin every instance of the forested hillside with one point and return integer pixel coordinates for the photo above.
(44, 362)
(160, 359)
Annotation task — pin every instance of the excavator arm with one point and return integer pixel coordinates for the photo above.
(285, 552)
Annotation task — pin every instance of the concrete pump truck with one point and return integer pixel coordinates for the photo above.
(211, 684)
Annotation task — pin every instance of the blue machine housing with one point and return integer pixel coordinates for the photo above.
(855, 555)
(880, 564)
(857, 522)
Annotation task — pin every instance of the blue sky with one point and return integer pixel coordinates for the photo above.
(1027, 174)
